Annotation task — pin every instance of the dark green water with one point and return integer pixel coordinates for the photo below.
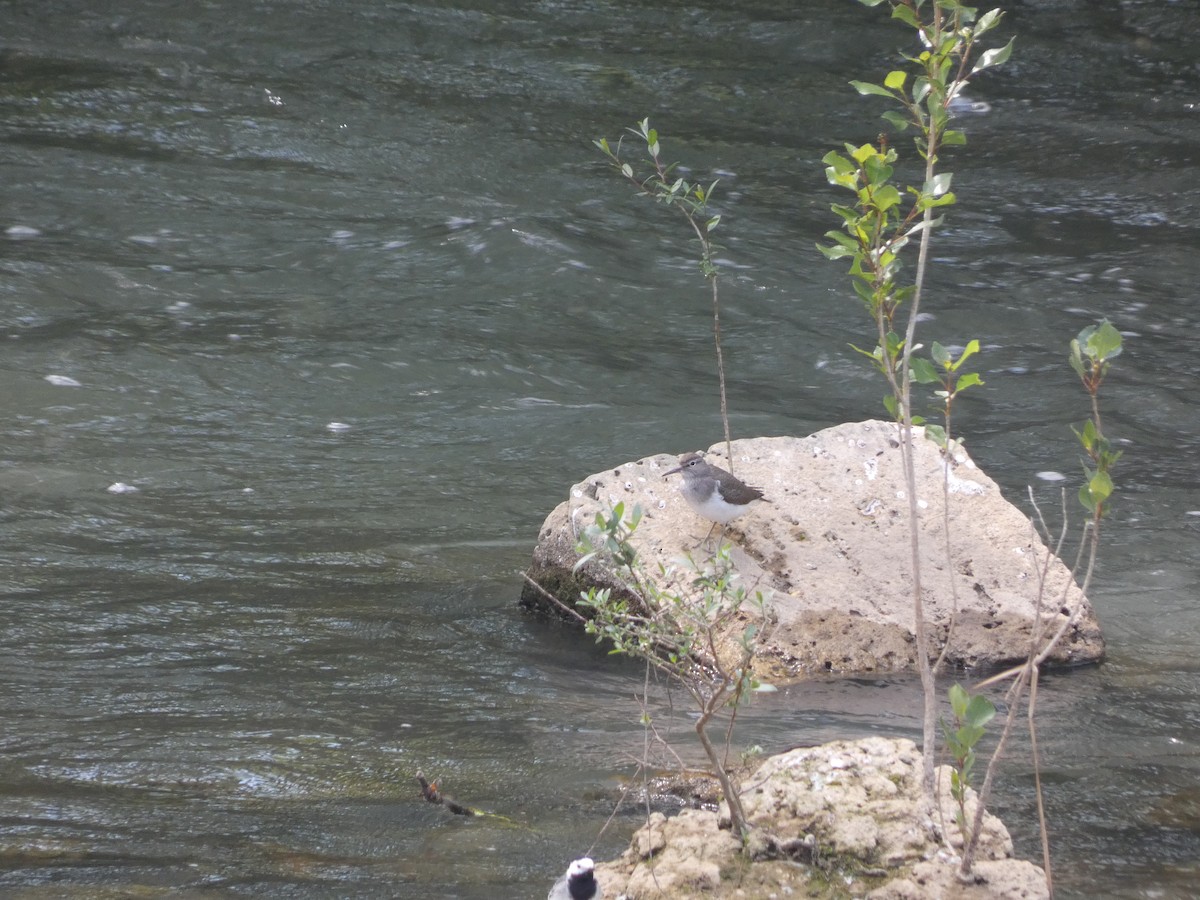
(233, 225)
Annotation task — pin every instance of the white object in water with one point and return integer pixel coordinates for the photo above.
(578, 884)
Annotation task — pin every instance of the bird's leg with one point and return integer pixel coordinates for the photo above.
(721, 535)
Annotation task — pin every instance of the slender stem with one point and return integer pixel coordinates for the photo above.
(928, 684)
(1025, 673)
(710, 272)
(948, 451)
(1037, 781)
(737, 815)
(721, 372)
(1027, 678)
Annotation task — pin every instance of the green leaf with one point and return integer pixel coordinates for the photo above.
(712, 223)
(970, 350)
(861, 154)
(903, 13)
(939, 184)
(1105, 342)
(920, 89)
(1076, 358)
(940, 355)
(922, 225)
(968, 763)
(895, 119)
(987, 21)
(834, 252)
(923, 371)
(970, 734)
(952, 138)
(848, 213)
(969, 380)
(867, 88)
(895, 345)
(980, 711)
(886, 197)
(868, 353)
(839, 163)
(1088, 435)
(864, 291)
(841, 180)
(958, 700)
(945, 200)
(844, 240)
(995, 57)
(878, 171)
(1100, 487)
(895, 79)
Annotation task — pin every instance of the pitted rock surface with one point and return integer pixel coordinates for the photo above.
(831, 549)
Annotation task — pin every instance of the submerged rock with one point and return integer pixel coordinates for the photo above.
(831, 548)
(845, 819)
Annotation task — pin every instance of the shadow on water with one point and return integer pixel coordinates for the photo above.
(312, 312)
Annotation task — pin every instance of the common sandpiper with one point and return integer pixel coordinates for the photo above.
(712, 492)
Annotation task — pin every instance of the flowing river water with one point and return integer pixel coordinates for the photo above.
(312, 311)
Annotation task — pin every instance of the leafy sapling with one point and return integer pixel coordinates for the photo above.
(945, 370)
(683, 623)
(884, 217)
(971, 713)
(1092, 353)
(692, 200)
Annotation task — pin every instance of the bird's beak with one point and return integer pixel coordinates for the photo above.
(673, 471)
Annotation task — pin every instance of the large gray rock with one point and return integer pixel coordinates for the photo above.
(832, 550)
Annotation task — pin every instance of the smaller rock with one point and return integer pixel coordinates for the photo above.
(651, 839)
(850, 812)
